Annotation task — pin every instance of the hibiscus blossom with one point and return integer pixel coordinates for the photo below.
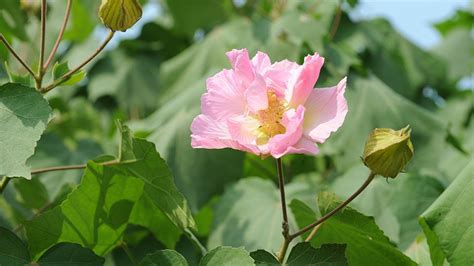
(268, 109)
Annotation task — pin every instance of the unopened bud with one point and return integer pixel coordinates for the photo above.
(388, 151)
(120, 15)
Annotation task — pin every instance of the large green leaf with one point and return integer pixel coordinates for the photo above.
(249, 214)
(327, 255)
(264, 258)
(165, 257)
(24, 114)
(227, 256)
(366, 243)
(12, 250)
(140, 159)
(448, 221)
(94, 215)
(139, 173)
(147, 214)
(70, 254)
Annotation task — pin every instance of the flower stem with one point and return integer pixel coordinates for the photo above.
(337, 209)
(71, 72)
(285, 226)
(22, 62)
(60, 36)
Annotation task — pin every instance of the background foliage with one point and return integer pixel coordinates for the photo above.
(153, 82)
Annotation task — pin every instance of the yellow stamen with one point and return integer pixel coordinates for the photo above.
(270, 119)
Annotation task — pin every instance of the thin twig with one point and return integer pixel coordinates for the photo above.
(313, 232)
(42, 38)
(60, 36)
(69, 167)
(10, 48)
(285, 226)
(4, 183)
(71, 72)
(338, 208)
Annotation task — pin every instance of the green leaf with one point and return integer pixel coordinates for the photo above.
(462, 19)
(227, 256)
(140, 159)
(328, 255)
(455, 49)
(188, 16)
(59, 69)
(12, 250)
(12, 20)
(419, 252)
(447, 223)
(82, 23)
(147, 214)
(366, 243)
(131, 79)
(25, 114)
(94, 215)
(249, 214)
(396, 61)
(70, 254)
(53, 150)
(33, 193)
(25, 80)
(264, 258)
(164, 257)
(199, 174)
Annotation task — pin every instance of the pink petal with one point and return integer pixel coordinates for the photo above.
(261, 62)
(256, 95)
(304, 78)
(224, 97)
(209, 133)
(303, 146)
(240, 62)
(326, 110)
(278, 74)
(243, 130)
(293, 122)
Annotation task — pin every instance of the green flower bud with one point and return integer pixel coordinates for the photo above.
(387, 151)
(120, 15)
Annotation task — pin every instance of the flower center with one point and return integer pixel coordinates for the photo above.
(270, 119)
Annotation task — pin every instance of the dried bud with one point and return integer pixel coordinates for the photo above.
(120, 15)
(387, 151)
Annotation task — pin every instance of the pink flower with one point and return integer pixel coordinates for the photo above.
(268, 109)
